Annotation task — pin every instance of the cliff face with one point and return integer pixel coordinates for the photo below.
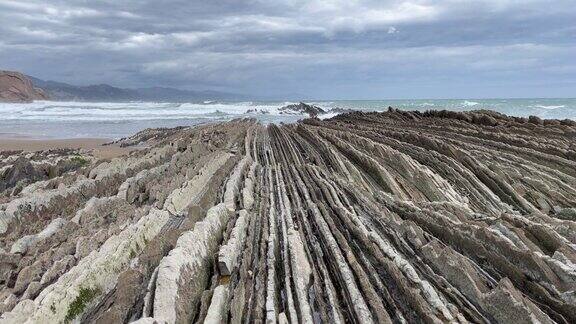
(396, 217)
(16, 87)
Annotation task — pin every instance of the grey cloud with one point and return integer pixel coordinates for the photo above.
(321, 48)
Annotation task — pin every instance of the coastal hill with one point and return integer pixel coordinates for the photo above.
(60, 91)
(392, 217)
(16, 87)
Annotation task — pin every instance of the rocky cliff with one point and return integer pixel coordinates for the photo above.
(395, 217)
(16, 87)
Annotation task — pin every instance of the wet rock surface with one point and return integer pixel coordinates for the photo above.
(395, 217)
(302, 108)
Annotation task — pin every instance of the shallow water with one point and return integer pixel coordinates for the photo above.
(115, 120)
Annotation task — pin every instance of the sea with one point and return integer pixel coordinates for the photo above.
(49, 119)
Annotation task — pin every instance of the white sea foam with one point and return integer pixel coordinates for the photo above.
(550, 107)
(97, 119)
(467, 103)
(82, 111)
(328, 115)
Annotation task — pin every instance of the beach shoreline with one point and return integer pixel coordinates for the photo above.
(95, 145)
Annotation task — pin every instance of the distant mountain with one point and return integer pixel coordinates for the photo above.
(103, 92)
(177, 95)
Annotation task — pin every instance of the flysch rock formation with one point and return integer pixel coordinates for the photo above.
(16, 87)
(19, 169)
(302, 108)
(393, 217)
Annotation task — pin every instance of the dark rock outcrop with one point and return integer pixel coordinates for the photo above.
(339, 110)
(257, 111)
(302, 108)
(16, 87)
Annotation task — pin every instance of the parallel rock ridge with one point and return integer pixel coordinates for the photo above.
(400, 217)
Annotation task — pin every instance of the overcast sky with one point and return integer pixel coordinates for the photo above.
(322, 49)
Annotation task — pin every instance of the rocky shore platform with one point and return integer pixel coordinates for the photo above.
(393, 217)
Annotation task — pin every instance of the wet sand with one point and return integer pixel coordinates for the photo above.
(94, 144)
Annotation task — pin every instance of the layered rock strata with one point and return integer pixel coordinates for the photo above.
(395, 217)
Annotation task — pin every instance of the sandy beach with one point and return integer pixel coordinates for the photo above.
(94, 144)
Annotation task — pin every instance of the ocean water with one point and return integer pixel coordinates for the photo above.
(47, 119)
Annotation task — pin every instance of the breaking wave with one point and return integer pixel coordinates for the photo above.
(101, 119)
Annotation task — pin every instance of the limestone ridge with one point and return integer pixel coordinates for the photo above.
(16, 87)
(394, 217)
